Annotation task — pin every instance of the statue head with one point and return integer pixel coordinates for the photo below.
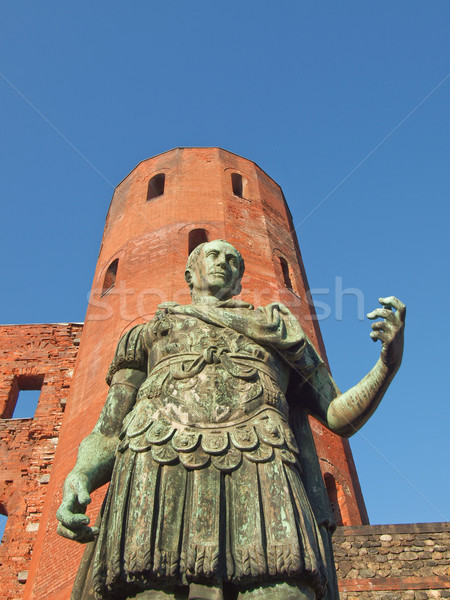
(215, 269)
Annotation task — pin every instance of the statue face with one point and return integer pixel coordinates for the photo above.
(217, 271)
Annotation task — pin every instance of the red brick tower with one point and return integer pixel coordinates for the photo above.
(164, 208)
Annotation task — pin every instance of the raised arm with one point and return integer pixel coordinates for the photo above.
(345, 413)
(95, 459)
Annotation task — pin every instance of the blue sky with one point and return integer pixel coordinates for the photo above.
(345, 106)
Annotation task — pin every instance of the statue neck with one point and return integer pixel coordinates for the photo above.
(204, 298)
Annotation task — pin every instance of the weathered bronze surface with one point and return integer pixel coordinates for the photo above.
(215, 488)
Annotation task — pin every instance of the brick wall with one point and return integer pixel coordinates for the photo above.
(393, 562)
(31, 356)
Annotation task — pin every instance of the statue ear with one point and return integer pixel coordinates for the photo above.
(237, 288)
(188, 277)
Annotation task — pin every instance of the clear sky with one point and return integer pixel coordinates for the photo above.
(345, 105)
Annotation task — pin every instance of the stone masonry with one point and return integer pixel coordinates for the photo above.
(393, 562)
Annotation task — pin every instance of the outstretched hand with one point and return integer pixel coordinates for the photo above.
(73, 523)
(390, 331)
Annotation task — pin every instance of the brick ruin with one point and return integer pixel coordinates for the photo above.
(31, 357)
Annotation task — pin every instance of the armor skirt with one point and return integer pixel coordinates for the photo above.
(186, 505)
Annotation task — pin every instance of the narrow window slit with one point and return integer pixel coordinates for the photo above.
(197, 237)
(110, 277)
(237, 184)
(286, 275)
(332, 491)
(3, 520)
(156, 186)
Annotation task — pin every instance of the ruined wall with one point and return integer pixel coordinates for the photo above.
(31, 357)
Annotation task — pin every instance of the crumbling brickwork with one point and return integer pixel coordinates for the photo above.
(31, 357)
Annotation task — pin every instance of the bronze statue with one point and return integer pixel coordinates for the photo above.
(215, 488)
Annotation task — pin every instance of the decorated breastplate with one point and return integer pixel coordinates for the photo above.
(212, 396)
(200, 374)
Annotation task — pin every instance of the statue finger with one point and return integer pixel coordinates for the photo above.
(65, 532)
(382, 326)
(83, 497)
(395, 303)
(87, 534)
(380, 335)
(381, 313)
(83, 535)
(70, 519)
(66, 508)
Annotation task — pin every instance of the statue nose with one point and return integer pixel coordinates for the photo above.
(221, 261)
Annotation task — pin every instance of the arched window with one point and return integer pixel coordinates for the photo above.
(197, 237)
(156, 186)
(332, 491)
(110, 277)
(286, 275)
(238, 184)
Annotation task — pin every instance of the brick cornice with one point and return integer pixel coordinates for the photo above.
(394, 583)
(440, 527)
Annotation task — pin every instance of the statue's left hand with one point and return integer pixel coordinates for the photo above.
(390, 331)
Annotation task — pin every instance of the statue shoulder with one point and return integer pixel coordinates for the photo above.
(130, 351)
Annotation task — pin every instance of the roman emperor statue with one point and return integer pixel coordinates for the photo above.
(215, 488)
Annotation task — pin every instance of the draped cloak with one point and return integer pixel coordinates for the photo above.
(216, 478)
